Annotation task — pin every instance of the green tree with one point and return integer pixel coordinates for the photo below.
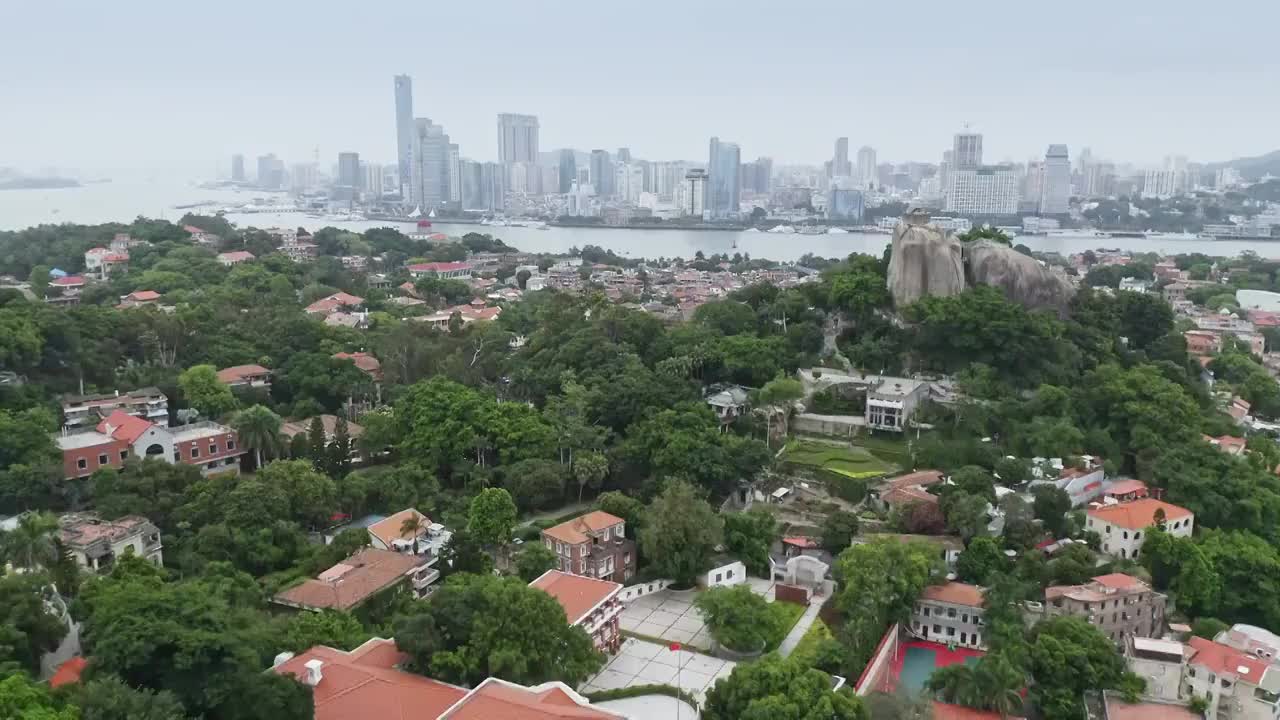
(205, 392)
(28, 626)
(340, 449)
(982, 560)
(748, 537)
(1068, 657)
(737, 618)
(680, 533)
(464, 554)
(535, 484)
(620, 505)
(22, 699)
(30, 544)
(879, 584)
(966, 514)
(590, 469)
(1208, 628)
(533, 560)
(777, 396)
(259, 429)
(838, 530)
(1051, 506)
(109, 698)
(492, 517)
(332, 628)
(774, 688)
(309, 497)
(317, 444)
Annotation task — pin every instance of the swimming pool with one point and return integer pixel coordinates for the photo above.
(919, 661)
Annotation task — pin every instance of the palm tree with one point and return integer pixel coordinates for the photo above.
(30, 544)
(259, 428)
(412, 525)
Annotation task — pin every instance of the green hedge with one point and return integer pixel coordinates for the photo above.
(639, 690)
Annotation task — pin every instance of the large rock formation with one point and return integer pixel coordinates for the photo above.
(1022, 278)
(925, 261)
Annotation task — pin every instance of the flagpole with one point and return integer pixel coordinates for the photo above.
(675, 647)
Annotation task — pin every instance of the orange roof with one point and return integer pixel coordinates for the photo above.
(236, 255)
(1124, 487)
(920, 477)
(143, 295)
(947, 711)
(494, 699)
(68, 672)
(239, 372)
(123, 426)
(363, 685)
(1225, 660)
(333, 302)
(388, 529)
(907, 495)
(1119, 581)
(578, 530)
(578, 595)
(1139, 514)
(362, 360)
(956, 593)
(351, 581)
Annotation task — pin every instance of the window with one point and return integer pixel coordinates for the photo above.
(582, 567)
(549, 544)
(231, 444)
(1191, 672)
(213, 448)
(951, 612)
(964, 638)
(213, 466)
(82, 463)
(951, 631)
(717, 577)
(977, 640)
(1108, 530)
(729, 574)
(1125, 534)
(195, 451)
(102, 459)
(1137, 535)
(964, 618)
(937, 629)
(124, 455)
(924, 611)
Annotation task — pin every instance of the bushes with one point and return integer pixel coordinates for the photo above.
(737, 618)
(641, 690)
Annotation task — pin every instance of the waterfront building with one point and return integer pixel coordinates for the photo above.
(237, 168)
(1055, 188)
(455, 174)
(723, 186)
(429, 181)
(517, 138)
(349, 170)
(866, 168)
(966, 150)
(840, 165)
(568, 171)
(303, 177)
(493, 187)
(986, 190)
(270, 172)
(602, 173)
(628, 182)
(695, 194)
(405, 132)
(372, 178)
(845, 204)
(1161, 184)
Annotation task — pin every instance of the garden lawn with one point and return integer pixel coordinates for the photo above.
(845, 460)
(786, 615)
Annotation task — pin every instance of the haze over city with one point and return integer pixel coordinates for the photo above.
(146, 86)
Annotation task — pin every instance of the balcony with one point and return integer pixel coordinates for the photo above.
(422, 579)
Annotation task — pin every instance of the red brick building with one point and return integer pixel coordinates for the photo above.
(594, 545)
(590, 604)
(212, 447)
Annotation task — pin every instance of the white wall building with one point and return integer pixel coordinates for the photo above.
(1055, 190)
(1123, 526)
(991, 190)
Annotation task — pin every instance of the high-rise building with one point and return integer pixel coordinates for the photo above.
(237, 168)
(303, 177)
(405, 132)
(1160, 184)
(845, 204)
(668, 177)
(602, 173)
(987, 190)
(349, 170)
(371, 174)
(756, 176)
(624, 155)
(966, 151)
(1055, 191)
(866, 167)
(568, 171)
(840, 165)
(1033, 184)
(723, 186)
(628, 181)
(493, 188)
(429, 179)
(517, 138)
(270, 172)
(695, 193)
(455, 174)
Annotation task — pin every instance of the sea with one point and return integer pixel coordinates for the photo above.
(124, 200)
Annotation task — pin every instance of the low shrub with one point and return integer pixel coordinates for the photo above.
(641, 690)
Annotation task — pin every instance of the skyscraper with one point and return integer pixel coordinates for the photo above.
(723, 186)
(372, 179)
(237, 168)
(405, 132)
(967, 151)
(628, 181)
(987, 190)
(601, 173)
(455, 174)
(695, 193)
(349, 170)
(429, 178)
(845, 204)
(568, 170)
(624, 155)
(1055, 190)
(840, 165)
(270, 172)
(866, 167)
(517, 138)
(493, 187)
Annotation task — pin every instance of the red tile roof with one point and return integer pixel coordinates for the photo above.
(496, 699)
(1119, 710)
(956, 593)
(362, 360)
(1225, 660)
(1139, 514)
(578, 530)
(1124, 487)
(240, 372)
(1119, 581)
(68, 672)
(578, 595)
(388, 529)
(123, 426)
(143, 295)
(333, 302)
(351, 581)
(923, 478)
(363, 685)
(439, 267)
(68, 281)
(236, 255)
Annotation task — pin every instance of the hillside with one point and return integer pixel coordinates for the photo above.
(1252, 168)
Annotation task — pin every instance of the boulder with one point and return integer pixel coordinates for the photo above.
(925, 261)
(1022, 278)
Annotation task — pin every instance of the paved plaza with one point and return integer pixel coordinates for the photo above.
(640, 662)
(673, 619)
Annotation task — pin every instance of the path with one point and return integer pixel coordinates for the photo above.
(802, 626)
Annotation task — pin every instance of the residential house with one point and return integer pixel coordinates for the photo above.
(1121, 526)
(1228, 444)
(1175, 292)
(905, 490)
(389, 534)
(1202, 342)
(892, 401)
(365, 684)
(1110, 705)
(365, 362)
(147, 403)
(1124, 490)
(291, 428)
(1121, 606)
(1259, 642)
(66, 290)
(355, 580)
(245, 376)
(1161, 663)
(235, 257)
(96, 543)
(138, 298)
(335, 302)
(1237, 685)
(467, 313)
(212, 447)
(355, 321)
(594, 545)
(729, 404)
(202, 237)
(588, 603)
(950, 614)
(104, 262)
(296, 246)
(1082, 484)
(445, 270)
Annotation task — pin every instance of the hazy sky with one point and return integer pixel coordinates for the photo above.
(179, 85)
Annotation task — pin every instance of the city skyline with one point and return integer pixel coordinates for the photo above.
(195, 110)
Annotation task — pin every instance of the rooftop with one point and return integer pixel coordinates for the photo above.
(494, 699)
(1225, 660)
(122, 426)
(80, 530)
(351, 581)
(955, 593)
(146, 393)
(328, 422)
(1139, 514)
(1119, 710)
(198, 430)
(236, 255)
(578, 595)
(388, 529)
(240, 372)
(1124, 487)
(579, 529)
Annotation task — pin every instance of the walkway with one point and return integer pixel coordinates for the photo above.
(640, 662)
(802, 626)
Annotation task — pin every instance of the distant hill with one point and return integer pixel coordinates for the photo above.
(1252, 168)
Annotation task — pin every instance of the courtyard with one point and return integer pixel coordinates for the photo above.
(640, 662)
(665, 617)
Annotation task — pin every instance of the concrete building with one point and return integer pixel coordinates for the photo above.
(845, 204)
(628, 182)
(602, 173)
(1161, 184)
(1122, 526)
(892, 401)
(406, 132)
(237, 168)
(966, 151)
(147, 403)
(96, 543)
(360, 577)
(588, 603)
(987, 190)
(1238, 686)
(695, 195)
(1055, 190)
(951, 614)
(212, 447)
(349, 175)
(866, 170)
(429, 171)
(723, 185)
(1121, 606)
(270, 172)
(840, 165)
(567, 171)
(594, 545)
(517, 138)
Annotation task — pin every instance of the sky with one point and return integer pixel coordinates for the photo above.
(176, 86)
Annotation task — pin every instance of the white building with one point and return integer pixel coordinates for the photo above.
(990, 190)
(96, 543)
(628, 182)
(1055, 190)
(951, 614)
(1122, 526)
(866, 169)
(695, 193)
(1161, 183)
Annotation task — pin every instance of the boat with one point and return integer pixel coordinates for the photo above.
(812, 230)
(782, 230)
(751, 229)
(837, 231)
